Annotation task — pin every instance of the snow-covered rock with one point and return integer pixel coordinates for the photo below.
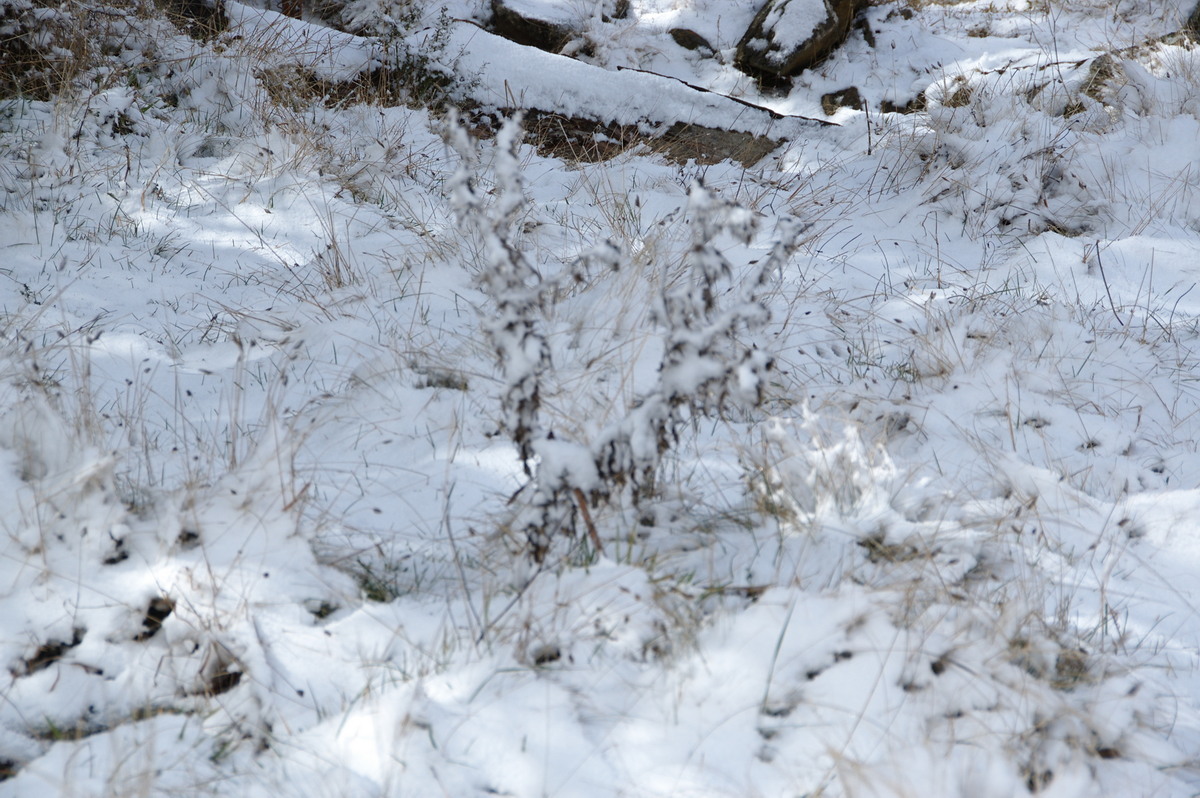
(788, 36)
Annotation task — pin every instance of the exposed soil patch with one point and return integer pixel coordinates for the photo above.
(48, 653)
(589, 141)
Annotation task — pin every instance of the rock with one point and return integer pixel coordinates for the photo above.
(843, 98)
(788, 36)
(1193, 21)
(910, 107)
(547, 25)
(689, 39)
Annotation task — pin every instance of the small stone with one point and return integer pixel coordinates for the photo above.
(843, 98)
(689, 39)
(911, 107)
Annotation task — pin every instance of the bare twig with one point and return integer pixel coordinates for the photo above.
(587, 520)
(1107, 290)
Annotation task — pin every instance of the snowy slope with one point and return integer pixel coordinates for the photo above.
(264, 504)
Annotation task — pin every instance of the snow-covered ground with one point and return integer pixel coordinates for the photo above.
(260, 486)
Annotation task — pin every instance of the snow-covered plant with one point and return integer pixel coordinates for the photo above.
(518, 293)
(48, 47)
(413, 66)
(1006, 149)
(709, 362)
(134, 610)
(372, 16)
(507, 277)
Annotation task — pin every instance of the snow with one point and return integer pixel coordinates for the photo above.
(327, 52)
(880, 455)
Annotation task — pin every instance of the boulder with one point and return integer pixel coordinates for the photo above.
(788, 36)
